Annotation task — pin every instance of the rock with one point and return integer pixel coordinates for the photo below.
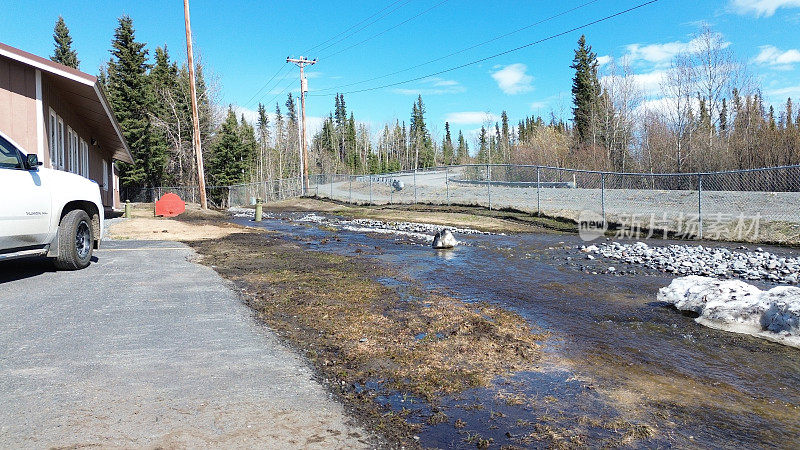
(444, 239)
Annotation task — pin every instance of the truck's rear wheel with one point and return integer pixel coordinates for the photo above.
(75, 241)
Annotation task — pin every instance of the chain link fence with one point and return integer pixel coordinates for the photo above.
(757, 205)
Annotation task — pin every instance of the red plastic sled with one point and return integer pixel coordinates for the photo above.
(170, 205)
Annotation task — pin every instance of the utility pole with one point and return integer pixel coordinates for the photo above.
(198, 152)
(302, 62)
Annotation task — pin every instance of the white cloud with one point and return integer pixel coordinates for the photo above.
(784, 92)
(772, 56)
(765, 8)
(470, 117)
(603, 60)
(433, 86)
(649, 83)
(667, 105)
(513, 79)
(539, 105)
(662, 54)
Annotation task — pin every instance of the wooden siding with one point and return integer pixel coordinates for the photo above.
(52, 100)
(18, 120)
(18, 103)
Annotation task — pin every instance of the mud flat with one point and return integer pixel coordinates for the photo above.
(359, 332)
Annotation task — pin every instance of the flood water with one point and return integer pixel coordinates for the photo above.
(614, 353)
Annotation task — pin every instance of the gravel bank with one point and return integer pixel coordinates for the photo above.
(699, 260)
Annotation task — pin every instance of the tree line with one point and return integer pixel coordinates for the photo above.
(709, 115)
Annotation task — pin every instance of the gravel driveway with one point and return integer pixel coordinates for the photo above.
(147, 349)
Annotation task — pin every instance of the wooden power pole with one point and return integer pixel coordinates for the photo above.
(302, 62)
(198, 152)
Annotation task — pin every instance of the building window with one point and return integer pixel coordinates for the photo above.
(72, 151)
(53, 141)
(84, 159)
(60, 141)
(105, 175)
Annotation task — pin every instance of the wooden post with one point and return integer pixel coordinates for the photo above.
(198, 153)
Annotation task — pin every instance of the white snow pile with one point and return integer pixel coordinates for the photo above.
(733, 305)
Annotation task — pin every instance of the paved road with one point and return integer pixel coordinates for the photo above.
(145, 349)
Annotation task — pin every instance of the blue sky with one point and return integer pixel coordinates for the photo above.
(244, 43)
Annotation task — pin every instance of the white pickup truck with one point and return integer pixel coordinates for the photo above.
(45, 212)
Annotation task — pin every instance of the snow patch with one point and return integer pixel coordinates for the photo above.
(739, 307)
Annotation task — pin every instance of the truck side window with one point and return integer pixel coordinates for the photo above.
(9, 155)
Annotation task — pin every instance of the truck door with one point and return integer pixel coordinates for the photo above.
(24, 202)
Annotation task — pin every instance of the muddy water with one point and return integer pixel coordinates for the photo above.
(616, 356)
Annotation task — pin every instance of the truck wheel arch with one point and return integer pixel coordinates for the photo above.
(91, 210)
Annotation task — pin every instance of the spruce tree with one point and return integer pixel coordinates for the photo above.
(462, 152)
(505, 137)
(262, 133)
(279, 131)
(291, 109)
(263, 125)
(723, 116)
(64, 54)
(447, 146)
(420, 138)
(248, 148)
(483, 147)
(163, 79)
(352, 158)
(585, 91)
(228, 160)
(128, 94)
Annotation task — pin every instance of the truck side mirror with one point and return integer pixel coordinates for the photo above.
(33, 162)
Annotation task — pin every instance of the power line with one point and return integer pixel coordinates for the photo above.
(265, 85)
(460, 51)
(385, 31)
(362, 28)
(471, 63)
(351, 27)
(276, 96)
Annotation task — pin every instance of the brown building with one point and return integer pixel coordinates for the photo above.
(63, 116)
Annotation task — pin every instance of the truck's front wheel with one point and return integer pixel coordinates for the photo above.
(75, 241)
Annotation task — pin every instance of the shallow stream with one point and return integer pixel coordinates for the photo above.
(615, 356)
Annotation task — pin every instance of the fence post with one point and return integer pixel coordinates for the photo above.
(370, 189)
(350, 178)
(603, 197)
(415, 186)
(447, 183)
(257, 217)
(331, 186)
(538, 192)
(489, 185)
(700, 204)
